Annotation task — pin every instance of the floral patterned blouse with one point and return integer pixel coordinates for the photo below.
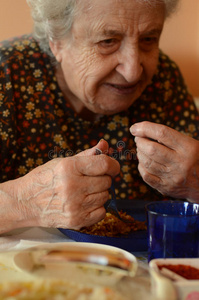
(37, 124)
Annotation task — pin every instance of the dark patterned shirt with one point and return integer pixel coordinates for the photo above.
(37, 124)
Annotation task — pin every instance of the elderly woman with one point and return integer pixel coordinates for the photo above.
(92, 69)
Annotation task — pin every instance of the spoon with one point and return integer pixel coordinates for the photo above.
(110, 205)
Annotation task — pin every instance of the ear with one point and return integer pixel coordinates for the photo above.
(55, 47)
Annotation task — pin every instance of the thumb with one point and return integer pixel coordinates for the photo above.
(101, 145)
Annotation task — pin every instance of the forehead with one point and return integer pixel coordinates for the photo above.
(105, 15)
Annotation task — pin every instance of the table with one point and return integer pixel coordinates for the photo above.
(28, 237)
(21, 239)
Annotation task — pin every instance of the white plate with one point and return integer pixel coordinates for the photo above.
(76, 260)
(34, 266)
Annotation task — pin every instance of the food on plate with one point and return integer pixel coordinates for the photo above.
(185, 271)
(96, 257)
(56, 290)
(111, 226)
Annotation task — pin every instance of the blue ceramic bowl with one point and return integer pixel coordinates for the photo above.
(133, 242)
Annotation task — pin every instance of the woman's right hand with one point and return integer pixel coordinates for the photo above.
(65, 192)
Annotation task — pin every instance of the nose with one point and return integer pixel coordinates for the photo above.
(130, 64)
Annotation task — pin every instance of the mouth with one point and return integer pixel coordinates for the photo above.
(122, 89)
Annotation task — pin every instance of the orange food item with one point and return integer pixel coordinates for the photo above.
(111, 226)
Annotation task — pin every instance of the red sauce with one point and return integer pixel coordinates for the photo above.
(185, 271)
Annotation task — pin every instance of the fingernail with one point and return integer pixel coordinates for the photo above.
(133, 129)
(98, 151)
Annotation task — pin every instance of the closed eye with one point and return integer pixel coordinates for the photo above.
(107, 43)
(149, 42)
(108, 46)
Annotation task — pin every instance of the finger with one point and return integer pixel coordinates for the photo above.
(161, 133)
(75, 221)
(92, 218)
(102, 145)
(94, 165)
(163, 184)
(154, 151)
(95, 216)
(95, 184)
(153, 180)
(152, 166)
(89, 212)
(94, 201)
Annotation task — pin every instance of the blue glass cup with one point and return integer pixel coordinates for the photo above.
(173, 229)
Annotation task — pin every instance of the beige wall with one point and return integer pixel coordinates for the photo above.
(180, 37)
(180, 40)
(15, 18)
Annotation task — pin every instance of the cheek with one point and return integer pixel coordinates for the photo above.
(81, 69)
(151, 63)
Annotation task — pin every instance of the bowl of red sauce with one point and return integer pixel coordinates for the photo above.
(181, 273)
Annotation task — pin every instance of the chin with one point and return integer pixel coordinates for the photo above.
(114, 106)
(109, 112)
(117, 109)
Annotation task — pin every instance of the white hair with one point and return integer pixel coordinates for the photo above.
(53, 18)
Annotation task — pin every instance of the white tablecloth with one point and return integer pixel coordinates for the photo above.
(24, 238)
(28, 237)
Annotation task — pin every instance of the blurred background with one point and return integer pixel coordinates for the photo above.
(180, 38)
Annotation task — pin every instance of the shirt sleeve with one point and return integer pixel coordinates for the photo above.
(8, 126)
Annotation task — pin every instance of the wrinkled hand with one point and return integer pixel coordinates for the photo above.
(68, 192)
(168, 160)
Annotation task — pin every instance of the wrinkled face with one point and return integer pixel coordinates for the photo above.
(111, 54)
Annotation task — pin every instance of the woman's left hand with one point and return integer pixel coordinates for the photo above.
(168, 160)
